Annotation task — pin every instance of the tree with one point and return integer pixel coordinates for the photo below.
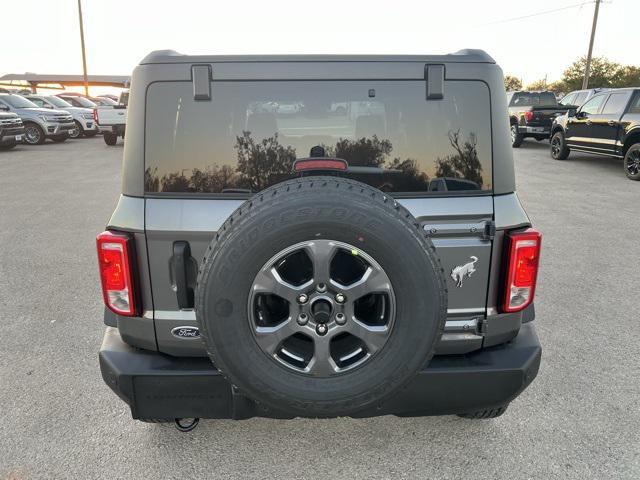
(538, 85)
(628, 76)
(512, 83)
(603, 73)
(464, 163)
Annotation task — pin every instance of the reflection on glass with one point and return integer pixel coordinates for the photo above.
(248, 137)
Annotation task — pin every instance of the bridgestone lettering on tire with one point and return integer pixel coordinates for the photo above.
(320, 297)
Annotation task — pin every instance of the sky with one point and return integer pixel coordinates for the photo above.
(119, 33)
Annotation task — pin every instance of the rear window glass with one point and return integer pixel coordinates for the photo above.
(249, 135)
(635, 105)
(529, 99)
(580, 98)
(616, 103)
(569, 99)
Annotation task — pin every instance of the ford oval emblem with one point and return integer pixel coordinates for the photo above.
(186, 332)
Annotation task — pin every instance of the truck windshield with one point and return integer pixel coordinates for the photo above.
(16, 101)
(58, 102)
(85, 102)
(533, 99)
(248, 136)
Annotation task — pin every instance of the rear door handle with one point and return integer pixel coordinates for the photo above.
(589, 122)
(612, 123)
(181, 258)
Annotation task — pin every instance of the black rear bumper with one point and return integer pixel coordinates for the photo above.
(158, 386)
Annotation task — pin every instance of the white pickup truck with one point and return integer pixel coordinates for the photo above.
(112, 119)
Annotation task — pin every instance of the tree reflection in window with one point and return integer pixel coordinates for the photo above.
(266, 162)
(464, 163)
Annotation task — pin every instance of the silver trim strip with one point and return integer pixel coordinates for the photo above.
(461, 325)
(187, 315)
(454, 311)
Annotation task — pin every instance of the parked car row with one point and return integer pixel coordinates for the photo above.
(32, 118)
(597, 121)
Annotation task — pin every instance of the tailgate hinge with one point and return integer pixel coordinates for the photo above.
(489, 230)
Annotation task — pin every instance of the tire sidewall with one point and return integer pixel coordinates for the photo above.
(222, 302)
(516, 137)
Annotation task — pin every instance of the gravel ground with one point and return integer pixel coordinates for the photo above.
(579, 419)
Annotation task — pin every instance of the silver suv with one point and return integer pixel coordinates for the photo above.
(82, 117)
(316, 261)
(39, 123)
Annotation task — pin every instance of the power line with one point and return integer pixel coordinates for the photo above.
(546, 12)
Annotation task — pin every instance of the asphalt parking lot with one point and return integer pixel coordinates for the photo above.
(579, 419)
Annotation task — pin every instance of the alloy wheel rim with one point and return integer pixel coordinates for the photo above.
(32, 135)
(321, 308)
(633, 162)
(555, 146)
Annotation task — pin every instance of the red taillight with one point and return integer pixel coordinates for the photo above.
(523, 255)
(305, 164)
(115, 254)
(528, 115)
(95, 115)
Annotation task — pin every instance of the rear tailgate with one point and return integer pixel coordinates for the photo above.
(111, 115)
(460, 228)
(544, 116)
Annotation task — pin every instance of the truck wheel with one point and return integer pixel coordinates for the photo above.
(632, 162)
(559, 149)
(320, 297)
(485, 414)
(110, 138)
(78, 130)
(33, 134)
(516, 137)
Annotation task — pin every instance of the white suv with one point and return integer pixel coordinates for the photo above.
(82, 117)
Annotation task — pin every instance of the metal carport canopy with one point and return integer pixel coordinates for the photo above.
(39, 80)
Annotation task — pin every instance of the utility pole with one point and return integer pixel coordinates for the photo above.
(587, 69)
(84, 56)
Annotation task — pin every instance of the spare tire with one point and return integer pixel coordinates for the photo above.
(320, 297)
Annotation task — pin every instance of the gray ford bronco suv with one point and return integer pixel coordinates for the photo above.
(318, 236)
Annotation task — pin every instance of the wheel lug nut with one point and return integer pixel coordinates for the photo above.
(321, 287)
(341, 319)
(303, 319)
(340, 298)
(302, 298)
(321, 329)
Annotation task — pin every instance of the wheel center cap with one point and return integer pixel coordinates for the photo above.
(321, 310)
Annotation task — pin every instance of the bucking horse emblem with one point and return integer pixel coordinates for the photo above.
(466, 270)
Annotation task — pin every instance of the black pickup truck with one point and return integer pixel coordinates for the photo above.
(531, 115)
(608, 124)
